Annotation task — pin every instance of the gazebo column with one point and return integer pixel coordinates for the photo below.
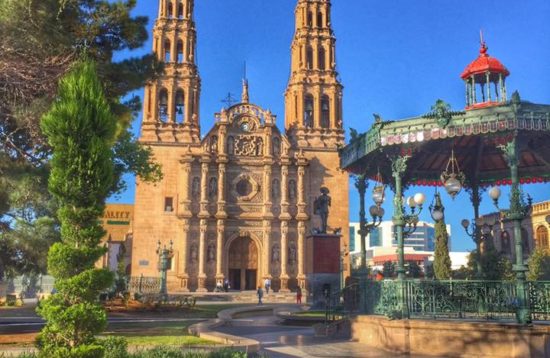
(474, 95)
(475, 197)
(361, 185)
(488, 79)
(399, 165)
(518, 211)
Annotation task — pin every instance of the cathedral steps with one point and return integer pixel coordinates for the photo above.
(238, 296)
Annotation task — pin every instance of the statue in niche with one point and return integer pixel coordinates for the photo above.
(291, 254)
(211, 254)
(231, 145)
(213, 188)
(276, 189)
(292, 189)
(259, 144)
(194, 253)
(321, 208)
(276, 146)
(196, 187)
(214, 144)
(275, 254)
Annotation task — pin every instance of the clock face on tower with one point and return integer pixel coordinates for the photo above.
(245, 126)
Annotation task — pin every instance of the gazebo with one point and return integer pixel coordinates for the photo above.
(494, 141)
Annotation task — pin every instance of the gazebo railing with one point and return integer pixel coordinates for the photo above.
(461, 299)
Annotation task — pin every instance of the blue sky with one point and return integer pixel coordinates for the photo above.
(394, 57)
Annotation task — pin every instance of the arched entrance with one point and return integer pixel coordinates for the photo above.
(243, 264)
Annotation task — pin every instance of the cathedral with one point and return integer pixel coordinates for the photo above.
(236, 201)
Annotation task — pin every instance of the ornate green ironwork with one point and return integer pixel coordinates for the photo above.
(461, 299)
(142, 284)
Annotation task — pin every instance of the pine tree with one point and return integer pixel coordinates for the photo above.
(442, 260)
(81, 130)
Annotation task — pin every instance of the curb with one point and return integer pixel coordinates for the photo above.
(205, 329)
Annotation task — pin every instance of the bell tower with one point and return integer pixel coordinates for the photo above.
(313, 98)
(171, 102)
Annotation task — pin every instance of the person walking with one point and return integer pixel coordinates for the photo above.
(267, 285)
(299, 295)
(260, 294)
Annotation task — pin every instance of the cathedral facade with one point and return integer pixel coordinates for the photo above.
(237, 203)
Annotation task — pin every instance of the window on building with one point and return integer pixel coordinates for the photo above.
(180, 11)
(180, 51)
(180, 106)
(170, 10)
(168, 204)
(352, 238)
(322, 58)
(163, 105)
(541, 237)
(308, 111)
(167, 51)
(309, 19)
(319, 19)
(325, 112)
(374, 237)
(309, 58)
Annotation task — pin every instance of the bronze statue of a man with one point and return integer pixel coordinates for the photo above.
(321, 208)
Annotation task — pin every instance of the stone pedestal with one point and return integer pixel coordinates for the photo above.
(325, 276)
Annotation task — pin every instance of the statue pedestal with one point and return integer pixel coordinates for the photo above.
(326, 267)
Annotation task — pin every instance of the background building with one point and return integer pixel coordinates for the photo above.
(117, 221)
(237, 199)
(534, 230)
(381, 244)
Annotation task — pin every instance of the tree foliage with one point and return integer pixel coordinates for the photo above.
(81, 130)
(414, 270)
(539, 265)
(442, 260)
(388, 269)
(41, 41)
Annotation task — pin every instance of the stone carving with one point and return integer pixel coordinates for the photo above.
(214, 144)
(276, 189)
(211, 252)
(213, 188)
(194, 254)
(321, 208)
(196, 187)
(276, 146)
(291, 253)
(250, 146)
(292, 189)
(275, 253)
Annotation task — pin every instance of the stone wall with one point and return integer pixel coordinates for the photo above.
(452, 338)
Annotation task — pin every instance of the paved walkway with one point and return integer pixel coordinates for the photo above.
(287, 341)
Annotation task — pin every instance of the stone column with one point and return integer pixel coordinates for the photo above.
(182, 275)
(301, 189)
(203, 216)
(219, 251)
(267, 250)
(204, 188)
(284, 191)
(184, 213)
(202, 254)
(284, 258)
(301, 255)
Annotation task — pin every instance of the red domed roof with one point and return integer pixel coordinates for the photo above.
(484, 63)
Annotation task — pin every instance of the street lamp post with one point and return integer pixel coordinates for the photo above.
(164, 255)
(404, 223)
(519, 210)
(376, 211)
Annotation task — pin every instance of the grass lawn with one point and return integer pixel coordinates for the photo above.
(310, 314)
(180, 341)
